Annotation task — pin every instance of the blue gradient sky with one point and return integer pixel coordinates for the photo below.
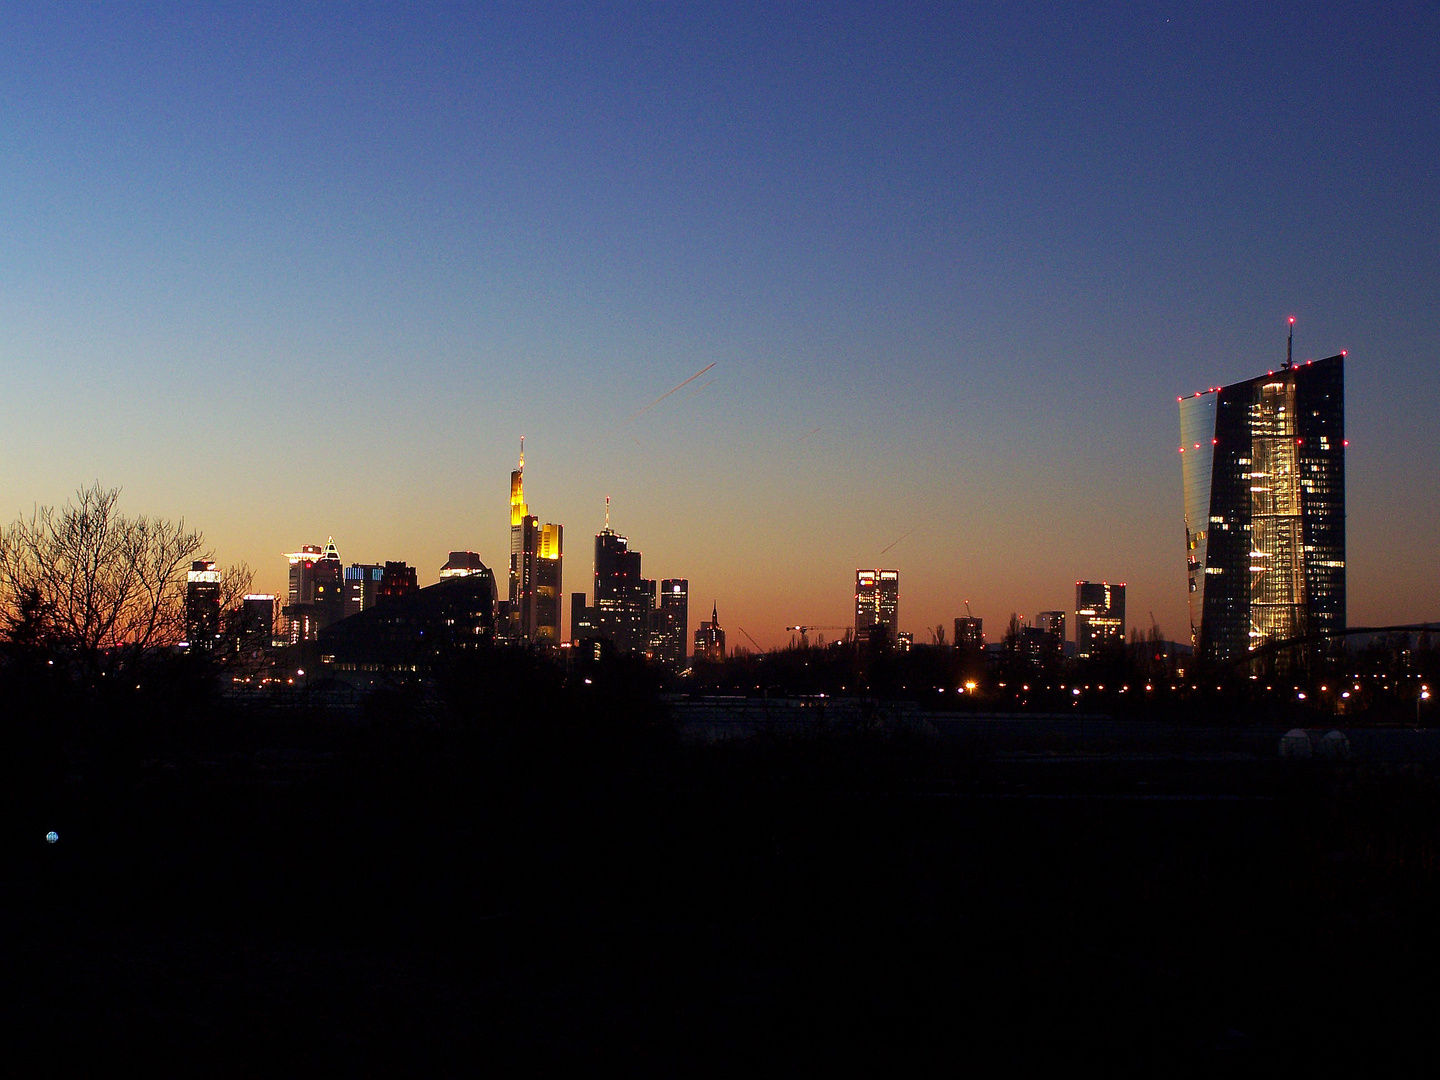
(298, 271)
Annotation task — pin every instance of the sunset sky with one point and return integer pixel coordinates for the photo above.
(298, 271)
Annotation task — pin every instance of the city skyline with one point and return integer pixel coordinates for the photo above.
(291, 276)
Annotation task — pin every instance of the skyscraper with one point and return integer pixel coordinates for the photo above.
(1264, 472)
(317, 590)
(710, 639)
(362, 582)
(672, 619)
(622, 605)
(1099, 616)
(548, 585)
(535, 568)
(969, 632)
(1052, 624)
(582, 618)
(877, 602)
(257, 621)
(398, 579)
(202, 605)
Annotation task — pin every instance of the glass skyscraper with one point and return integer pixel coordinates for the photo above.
(877, 602)
(1264, 471)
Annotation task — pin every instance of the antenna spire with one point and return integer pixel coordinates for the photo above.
(607, 513)
(1290, 344)
(522, 453)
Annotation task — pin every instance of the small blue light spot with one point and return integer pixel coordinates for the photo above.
(51, 836)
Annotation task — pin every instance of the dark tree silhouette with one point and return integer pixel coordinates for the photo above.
(93, 585)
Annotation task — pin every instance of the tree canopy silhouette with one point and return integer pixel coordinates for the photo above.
(89, 583)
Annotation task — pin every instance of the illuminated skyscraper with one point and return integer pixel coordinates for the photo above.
(302, 575)
(1264, 471)
(362, 583)
(672, 621)
(877, 602)
(1099, 616)
(536, 556)
(622, 605)
(202, 605)
(548, 585)
(317, 590)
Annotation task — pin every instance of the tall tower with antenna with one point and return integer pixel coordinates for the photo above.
(1263, 467)
(536, 558)
(622, 606)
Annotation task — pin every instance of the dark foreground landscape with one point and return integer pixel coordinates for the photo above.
(538, 877)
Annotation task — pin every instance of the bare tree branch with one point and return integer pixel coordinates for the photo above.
(109, 586)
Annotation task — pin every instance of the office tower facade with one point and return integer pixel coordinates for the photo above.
(1263, 463)
(317, 590)
(673, 621)
(710, 639)
(302, 575)
(877, 602)
(622, 606)
(329, 577)
(397, 580)
(548, 585)
(202, 605)
(1052, 625)
(362, 585)
(969, 633)
(257, 621)
(582, 618)
(469, 564)
(536, 558)
(1031, 644)
(1099, 616)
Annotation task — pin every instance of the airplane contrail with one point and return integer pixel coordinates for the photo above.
(892, 543)
(809, 433)
(672, 390)
(697, 389)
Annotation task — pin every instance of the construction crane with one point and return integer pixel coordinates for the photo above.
(805, 629)
(758, 646)
(968, 612)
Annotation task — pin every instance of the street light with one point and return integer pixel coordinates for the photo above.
(1424, 696)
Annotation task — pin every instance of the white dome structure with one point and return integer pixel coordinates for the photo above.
(1295, 745)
